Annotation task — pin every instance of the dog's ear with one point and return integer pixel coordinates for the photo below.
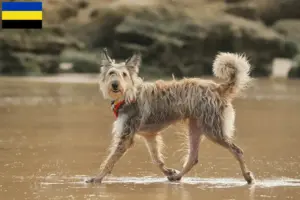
(105, 60)
(134, 62)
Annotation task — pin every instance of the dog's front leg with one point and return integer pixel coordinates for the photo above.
(123, 139)
(119, 148)
(155, 143)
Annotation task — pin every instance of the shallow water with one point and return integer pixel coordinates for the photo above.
(53, 136)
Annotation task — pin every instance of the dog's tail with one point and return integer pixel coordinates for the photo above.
(235, 69)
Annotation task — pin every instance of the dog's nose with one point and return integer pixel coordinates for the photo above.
(115, 85)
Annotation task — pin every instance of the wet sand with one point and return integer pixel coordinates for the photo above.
(54, 135)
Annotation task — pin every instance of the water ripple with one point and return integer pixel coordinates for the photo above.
(207, 182)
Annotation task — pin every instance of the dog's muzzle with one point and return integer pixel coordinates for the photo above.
(115, 86)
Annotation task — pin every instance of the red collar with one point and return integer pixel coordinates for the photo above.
(115, 106)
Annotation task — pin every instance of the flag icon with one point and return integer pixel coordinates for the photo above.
(22, 15)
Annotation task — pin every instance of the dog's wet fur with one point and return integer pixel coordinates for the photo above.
(153, 106)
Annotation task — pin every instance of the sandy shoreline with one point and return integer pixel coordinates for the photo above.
(59, 78)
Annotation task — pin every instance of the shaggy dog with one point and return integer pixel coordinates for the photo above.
(146, 108)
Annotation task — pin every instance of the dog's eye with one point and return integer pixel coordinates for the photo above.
(111, 73)
(124, 74)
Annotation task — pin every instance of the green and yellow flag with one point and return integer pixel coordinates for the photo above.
(22, 15)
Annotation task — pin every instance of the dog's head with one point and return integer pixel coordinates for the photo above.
(117, 77)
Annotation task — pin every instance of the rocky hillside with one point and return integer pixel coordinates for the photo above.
(179, 37)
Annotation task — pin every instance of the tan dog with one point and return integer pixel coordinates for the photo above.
(206, 106)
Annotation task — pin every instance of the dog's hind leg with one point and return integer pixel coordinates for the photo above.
(195, 137)
(154, 144)
(222, 136)
(238, 154)
(119, 147)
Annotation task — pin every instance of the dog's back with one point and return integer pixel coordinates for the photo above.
(165, 101)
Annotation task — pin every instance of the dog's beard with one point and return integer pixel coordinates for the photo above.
(115, 94)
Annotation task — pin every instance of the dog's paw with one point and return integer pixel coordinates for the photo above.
(174, 178)
(94, 180)
(249, 177)
(171, 172)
